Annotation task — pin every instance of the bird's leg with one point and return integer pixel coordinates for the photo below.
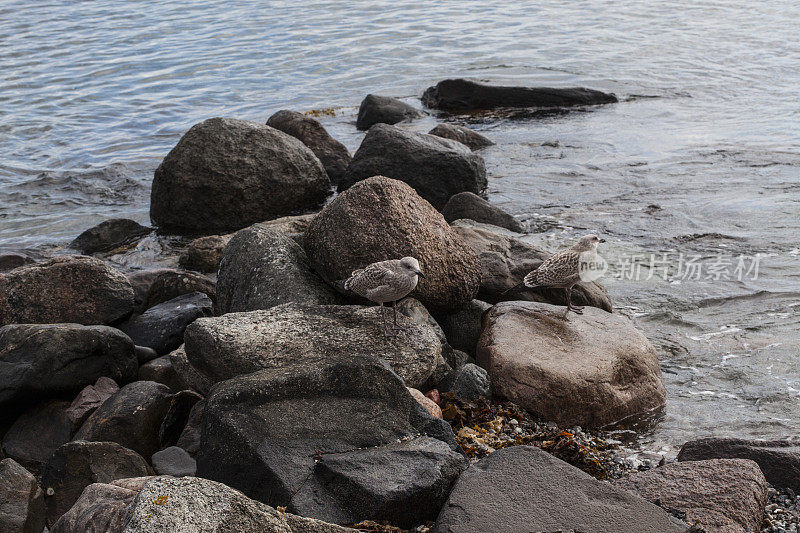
(570, 307)
(396, 325)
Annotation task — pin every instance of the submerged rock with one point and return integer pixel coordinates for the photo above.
(376, 109)
(466, 136)
(225, 174)
(204, 253)
(108, 235)
(470, 205)
(21, 500)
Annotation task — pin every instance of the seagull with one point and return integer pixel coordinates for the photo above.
(385, 281)
(563, 269)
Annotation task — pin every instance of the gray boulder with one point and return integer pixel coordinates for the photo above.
(35, 435)
(332, 154)
(204, 253)
(101, 507)
(376, 109)
(436, 168)
(470, 205)
(225, 174)
(77, 289)
(466, 136)
(89, 399)
(463, 327)
(523, 488)
(469, 382)
(22, 507)
(174, 461)
(262, 268)
(108, 235)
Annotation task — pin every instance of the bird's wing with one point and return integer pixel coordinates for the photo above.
(556, 269)
(370, 278)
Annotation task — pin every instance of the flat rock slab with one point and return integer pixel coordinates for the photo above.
(523, 489)
(589, 370)
(723, 495)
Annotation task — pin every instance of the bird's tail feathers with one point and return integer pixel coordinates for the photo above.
(530, 279)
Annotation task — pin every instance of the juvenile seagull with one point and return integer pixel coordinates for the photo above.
(385, 281)
(562, 269)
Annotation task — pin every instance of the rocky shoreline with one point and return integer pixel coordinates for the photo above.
(242, 391)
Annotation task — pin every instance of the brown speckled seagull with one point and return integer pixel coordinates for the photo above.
(385, 281)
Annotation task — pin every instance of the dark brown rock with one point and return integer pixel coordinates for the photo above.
(466, 136)
(177, 416)
(108, 235)
(89, 399)
(161, 371)
(189, 376)
(190, 437)
(174, 283)
(21, 500)
(101, 508)
(12, 260)
(141, 282)
(35, 435)
(203, 254)
(376, 109)
(470, 205)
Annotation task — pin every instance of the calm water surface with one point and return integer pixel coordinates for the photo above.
(701, 156)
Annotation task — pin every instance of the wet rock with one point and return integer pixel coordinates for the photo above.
(267, 434)
(109, 234)
(470, 205)
(190, 437)
(193, 504)
(101, 507)
(89, 399)
(161, 327)
(376, 109)
(161, 371)
(141, 282)
(779, 460)
(459, 95)
(22, 508)
(177, 416)
(466, 136)
(429, 405)
(724, 495)
(76, 465)
(225, 174)
(189, 376)
(41, 361)
(131, 417)
(240, 343)
(381, 218)
(174, 461)
(204, 253)
(463, 327)
(174, 283)
(12, 260)
(262, 268)
(523, 488)
(78, 289)
(35, 435)
(332, 154)
(469, 383)
(505, 260)
(587, 370)
(436, 168)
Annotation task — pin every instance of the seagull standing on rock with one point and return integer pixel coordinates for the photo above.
(385, 281)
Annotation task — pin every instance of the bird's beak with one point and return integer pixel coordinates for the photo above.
(601, 240)
(420, 274)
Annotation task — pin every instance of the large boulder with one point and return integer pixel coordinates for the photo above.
(225, 174)
(41, 361)
(262, 268)
(589, 370)
(470, 205)
(380, 218)
(779, 460)
(161, 327)
(77, 289)
(459, 95)
(376, 109)
(21, 500)
(76, 465)
(108, 235)
(132, 417)
(464, 135)
(333, 155)
(35, 435)
(723, 495)
(506, 259)
(240, 343)
(523, 488)
(324, 440)
(204, 253)
(436, 168)
(101, 507)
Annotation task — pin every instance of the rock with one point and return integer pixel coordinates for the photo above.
(459, 95)
(141, 283)
(174, 461)
(76, 465)
(174, 283)
(240, 343)
(22, 507)
(523, 488)
(12, 260)
(414, 310)
(191, 504)
(190, 437)
(381, 218)
(35, 435)
(101, 507)
(262, 268)
(376, 109)
(144, 353)
(204, 253)
(109, 234)
(724, 495)
(463, 328)
(89, 399)
(332, 154)
(188, 375)
(78, 289)
(161, 327)
(466, 136)
(436, 168)
(470, 205)
(470, 382)
(433, 409)
(131, 417)
(505, 260)
(322, 439)
(779, 459)
(161, 371)
(177, 416)
(590, 370)
(293, 227)
(44, 361)
(225, 174)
